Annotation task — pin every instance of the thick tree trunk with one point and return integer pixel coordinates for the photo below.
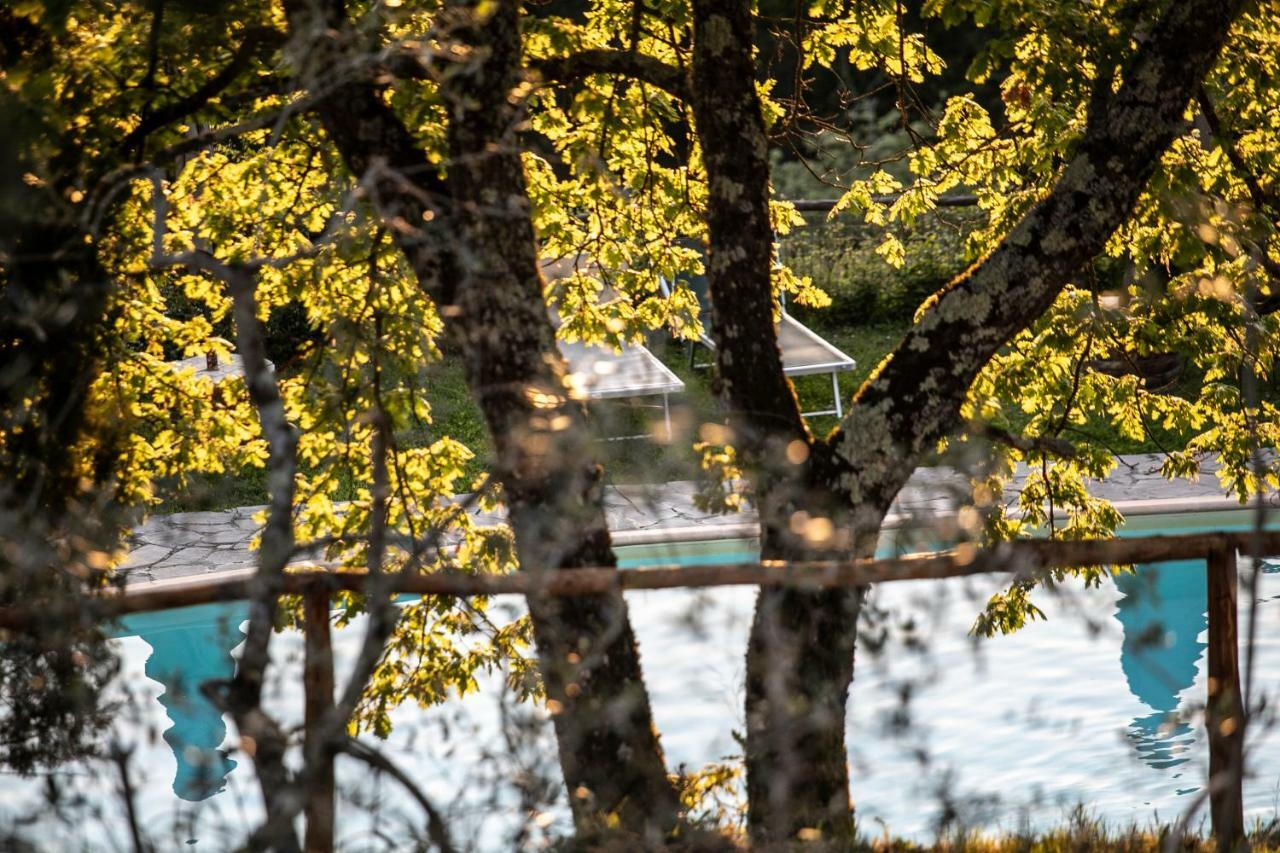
(800, 659)
(800, 655)
(608, 747)
(478, 261)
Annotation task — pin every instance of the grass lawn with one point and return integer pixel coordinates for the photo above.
(653, 460)
(650, 460)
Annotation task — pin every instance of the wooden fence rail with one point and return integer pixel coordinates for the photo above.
(1024, 556)
(1224, 715)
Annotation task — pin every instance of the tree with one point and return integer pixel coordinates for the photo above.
(917, 394)
(400, 170)
(796, 758)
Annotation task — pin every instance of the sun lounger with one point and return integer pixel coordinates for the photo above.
(804, 351)
(602, 373)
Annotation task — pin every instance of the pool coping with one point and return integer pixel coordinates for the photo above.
(748, 529)
(896, 521)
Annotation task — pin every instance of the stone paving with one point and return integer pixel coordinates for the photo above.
(198, 543)
(192, 543)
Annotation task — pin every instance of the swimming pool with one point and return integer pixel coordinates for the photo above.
(1096, 705)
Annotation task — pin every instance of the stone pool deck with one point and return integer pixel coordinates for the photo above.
(176, 548)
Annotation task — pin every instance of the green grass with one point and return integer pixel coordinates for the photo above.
(867, 345)
(455, 414)
(246, 487)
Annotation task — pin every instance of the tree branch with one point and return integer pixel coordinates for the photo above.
(437, 830)
(822, 205)
(916, 397)
(109, 187)
(245, 694)
(256, 39)
(1262, 199)
(1045, 444)
(260, 736)
(625, 63)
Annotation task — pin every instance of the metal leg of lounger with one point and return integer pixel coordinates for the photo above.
(666, 414)
(835, 394)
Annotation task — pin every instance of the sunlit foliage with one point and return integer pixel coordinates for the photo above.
(615, 179)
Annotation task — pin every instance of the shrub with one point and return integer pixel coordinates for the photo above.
(289, 331)
(840, 256)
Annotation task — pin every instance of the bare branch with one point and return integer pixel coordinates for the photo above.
(825, 204)
(1045, 444)
(625, 63)
(257, 40)
(120, 756)
(277, 540)
(436, 827)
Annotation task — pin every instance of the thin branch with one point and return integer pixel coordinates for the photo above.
(1045, 444)
(117, 181)
(1262, 199)
(383, 612)
(436, 827)
(822, 205)
(153, 46)
(260, 735)
(129, 794)
(256, 39)
(625, 63)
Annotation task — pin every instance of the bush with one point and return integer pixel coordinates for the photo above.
(289, 333)
(840, 256)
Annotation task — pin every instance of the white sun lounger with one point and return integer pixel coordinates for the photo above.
(804, 351)
(601, 373)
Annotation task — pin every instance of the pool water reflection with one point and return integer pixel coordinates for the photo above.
(1097, 704)
(1162, 612)
(190, 647)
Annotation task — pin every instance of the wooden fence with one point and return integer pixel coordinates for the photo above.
(1224, 714)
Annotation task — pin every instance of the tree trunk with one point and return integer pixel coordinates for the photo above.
(800, 654)
(478, 261)
(800, 657)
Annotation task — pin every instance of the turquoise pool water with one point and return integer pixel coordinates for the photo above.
(1097, 705)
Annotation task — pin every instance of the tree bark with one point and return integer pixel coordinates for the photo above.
(478, 261)
(800, 653)
(800, 656)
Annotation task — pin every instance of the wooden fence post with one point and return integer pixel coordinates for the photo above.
(317, 681)
(1224, 714)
